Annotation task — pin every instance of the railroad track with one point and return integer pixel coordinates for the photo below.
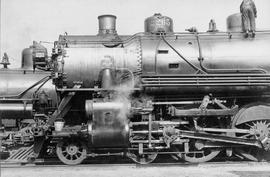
(207, 164)
(124, 162)
(211, 169)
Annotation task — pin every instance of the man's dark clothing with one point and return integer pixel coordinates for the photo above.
(249, 13)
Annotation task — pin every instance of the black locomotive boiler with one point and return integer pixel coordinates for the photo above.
(189, 94)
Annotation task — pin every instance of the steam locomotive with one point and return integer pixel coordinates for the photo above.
(191, 95)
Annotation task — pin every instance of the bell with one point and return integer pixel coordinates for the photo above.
(212, 26)
(5, 60)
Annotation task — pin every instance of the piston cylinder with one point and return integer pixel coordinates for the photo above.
(92, 107)
(109, 126)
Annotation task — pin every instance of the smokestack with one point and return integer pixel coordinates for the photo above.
(106, 24)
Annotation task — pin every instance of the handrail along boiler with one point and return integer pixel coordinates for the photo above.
(190, 95)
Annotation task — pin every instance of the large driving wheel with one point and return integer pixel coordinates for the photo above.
(198, 153)
(142, 158)
(71, 151)
(255, 117)
(203, 155)
(253, 153)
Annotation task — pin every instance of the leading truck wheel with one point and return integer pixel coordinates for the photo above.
(71, 152)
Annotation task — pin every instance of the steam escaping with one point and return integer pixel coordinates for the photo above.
(123, 93)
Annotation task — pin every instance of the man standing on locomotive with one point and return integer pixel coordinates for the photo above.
(249, 13)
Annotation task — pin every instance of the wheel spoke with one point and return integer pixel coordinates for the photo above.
(71, 152)
(249, 125)
(262, 129)
(195, 157)
(142, 159)
(76, 156)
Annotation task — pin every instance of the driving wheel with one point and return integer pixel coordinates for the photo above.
(142, 158)
(262, 129)
(254, 117)
(198, 156)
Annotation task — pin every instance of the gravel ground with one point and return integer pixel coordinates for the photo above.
(131, 170)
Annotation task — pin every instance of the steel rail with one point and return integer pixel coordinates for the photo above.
(205, 78)
(204, 84)
(207, 81)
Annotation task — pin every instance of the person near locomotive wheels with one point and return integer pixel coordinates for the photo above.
(249, 13)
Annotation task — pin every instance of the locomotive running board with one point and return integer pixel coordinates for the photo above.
(219, 138)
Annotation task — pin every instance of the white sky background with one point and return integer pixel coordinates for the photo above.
(23, 21)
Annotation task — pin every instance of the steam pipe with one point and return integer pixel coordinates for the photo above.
(207, 80)
(42, 85)
(141, 34)
(229, 71)
(130, 72)
(107, 80)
